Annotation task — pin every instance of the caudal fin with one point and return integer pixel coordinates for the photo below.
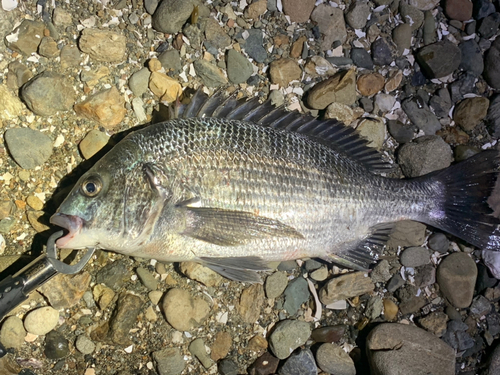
(464, 208)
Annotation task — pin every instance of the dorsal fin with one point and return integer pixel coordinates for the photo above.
(329, 132)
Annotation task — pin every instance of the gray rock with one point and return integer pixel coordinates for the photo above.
(26, 38)
(382, 272)
(395, 283)
(425, 276)
(403, 349)
(439, 59)
(491, 66)
(113, 275)
(480, 306)
(147, 278)
(441, 103)
(493, 116)
(361, 58)
(489, 25)
(171, 60)
(47, 93)
(288, 336)
(228, 367)
(331, 25)
(424, 155)
(430, 35)
(411, 15)
(456, 277)
(194, 34)
(332, 359)
(415, 257)
(494, 367)
(124, 318)
(482, 8)
(276, 284)
(439, 242)
(296, 293)
(169, 361)
(139, 81)
(239, 69)
(465, 84)
(457, 337)
(170, 15)
(29, 148)
(407, 233)
(254, 45)
(472, 57)
(84, 345)
(150, 5)
(366, 104)
(402, 133)
(12, 332)
(374, 307)
(383, 51)
(70, 57)
(211, 75)
(401, 35)
(421, 116)
(216, 34)
(463, 152)
(357, 15)
(299, 363)
(197, 348)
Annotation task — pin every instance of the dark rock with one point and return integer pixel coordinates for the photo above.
(332, 359)
(169, 361)
(228, 367)
(113, 275)
(56, 345)
(329, 333)
(439, 242)
(441, 103)
(266, 364)
(299, 363)
(367, 105)
(383, 51)
(489, 25)
(239, 69)
(210, 74)
(425, 276)
(456, 276)
(480, 306)
(439, 59)
(361, 58)
(254, 45)
(296, 293)
(457, 337)
(26, 38)
(171, 60)
(463, 152)
(493, 321)
(395, 283)
(460, 10)
(421, 116)
(493, 116)
(124, 317)
(491, 66)
(424, 155)
(482, 8)
(472, 57)
(465, 84)
(170, 15)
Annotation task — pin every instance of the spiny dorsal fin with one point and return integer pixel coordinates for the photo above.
(331, 132)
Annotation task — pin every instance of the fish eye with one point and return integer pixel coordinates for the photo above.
(91, 187)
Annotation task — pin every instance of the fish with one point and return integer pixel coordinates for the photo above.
(235, 184)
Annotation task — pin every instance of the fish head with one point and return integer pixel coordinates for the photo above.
(111, 204)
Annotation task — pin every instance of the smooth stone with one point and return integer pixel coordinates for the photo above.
(147, 278)
(357, 15)
(12, 332)
(472, 57)
(276, 284)
(424, 155)
(56, 345)
(265, 364)
(366, 104)
(139, 81)
(29, 148)
(370, 84)
(239, 69)
(492, 260)
(494, 365)
(346, 286)
(171, 60)
(373, 130)
(361, 58)
(182, 311)
(491, 67)
(321, 274)
(287, 336)
(384, 102)
(296, 293)
(438, 242)
(200, 273)
(103, 45)
(216, 34)
(106, 107)
(250, 303)
(151, 5)
(460, 10)
(489, 25)
(424, 4)
(463, 152)
(298, 10)
(407, 233)
(383, 51)
(25, 38)
(456, 277)
(411, 15)
(171, 15)
(299, 363)
(430, 34)
(402, 133)
(441, 103)
(401, 35)
(48, 47)
(439, 59)
(256, 9)
(415, 257)
(340, 112)
(329, 333)
(197, 349)
(93, 142)
(283, 71)
(228, 367)
(84, 345)
(340, 88)
(470, 112)
(331, 25)
(169, 361)
(210, 74)
(421, 116)
(41, 321)
(403, 349)
(124, 318)
(332, 359)
(390, 310)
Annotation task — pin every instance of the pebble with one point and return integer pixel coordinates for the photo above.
(48, 47)
(329, 333)
(424, 4)
(228, 367)
(92, 76)
(401, 36)
(266, 364)
(340, 88)
(374, 307)
(276, 284)
(383, 51)
(93, 142)
(12, 332)
(340, 112)
(424, 155)
(182, 311)
(239, 69)
(470, 112)
(221, 346)
(84, 345)
(407, 233)
(346, 286)
(113, 275)
(41, 321)
(70, 57)
(492, 260)
(390, 310)
(25, 38)
(139, 81)
(202, 274)
(297, 47)
(65, 291)
(216, 35)
(373, 130)
(169, 361)
(124, 318)
(10, 105)
(457, 337)
(358, 14)
(480, 306)
(296, 293)
(439, 59)
(398, 348)
(415, 257)
(472, 57)
(421, 116)
(441, 103)
(48, 93)
(171, 60)
(370, 84)
(151, 5)
(298, 10)
(210, 74)
(456, 277)
(321, 274)
(56, 345)
(7, 224)
(489, 25)
(283, 71)
(485, 279)
(287, 336)
(257, 344)
(254, 45)
(361, 58)
(147, 278)
(103, 45)
(435, 322)
(171, 15)
(332, 359)
(493, 116)
(382, 272)
(331, 25)
(491, 67)
(61, 17)
(197, 349)
(299, 363)
(460, 10)
(164, 87)
(402, 133)
(384, 102)
(106, 107)
(256, 9)
(250, 303)
(411, 15)
(394, 80)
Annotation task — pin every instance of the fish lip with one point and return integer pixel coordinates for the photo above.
(72, 223)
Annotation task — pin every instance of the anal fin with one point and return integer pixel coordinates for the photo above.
(242, 269)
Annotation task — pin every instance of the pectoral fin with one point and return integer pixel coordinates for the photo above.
(238, 268)
(232, 228)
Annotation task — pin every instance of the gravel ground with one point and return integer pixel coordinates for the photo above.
(419, 80)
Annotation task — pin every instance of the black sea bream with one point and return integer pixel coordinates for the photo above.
(235, 184)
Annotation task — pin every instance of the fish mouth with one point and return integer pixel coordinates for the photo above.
(72, 223)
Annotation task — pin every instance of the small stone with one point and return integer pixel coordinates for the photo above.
(401, 35)
(472, 57)
(29, 148)
(421, 116)
(382, 272)
(169, 361)
(26, 37)
(374, 307)
(346, 286)
(254, 45)
(171, 60)
(221, 346)
(239, 69)
(154, 65)
(48, 93)
(147, 278)
(283, 71)
(92, 76)
(171, 15)
(424, 4)
(384, 102)
(331, 25)
(298, 10)
(340, 88)
(150, 314)
(390, 309)
(7, 208)
(361, 58)
(494, 366)
(197, 348)
(370, 84)
(103, 295)
(402, 133)
(56, 345)
(216, 34)
(93, 142)
(329, 333)
(424, 155)
(211, 75)
(41, 321)
(250, 303)
(439, 59)
(103, 45)
(164, 87)
(256, 9)
(65, 291)
(10, 105)
(266, 364)
(106, 107)
(332, 359)
(456, 276)
(34, 202)
(182, 311)
(489, 25)
(321, 274)
(139, 81)
(48, 47)
(202, 274)
(415, 257)
(257, 344)
(393, 81)
(457, 337)
(491, 67)
(296, 293)
(357, 15)
(7, 224)
(373, 130)
(470, 112)
(70, 57)
(297, 47)
(441, 103)
(435, 322)
(60, 17)
(113, 275)
(124, 318)
(480, 306)
(340, 112)
(228, 367)
(383, 51)
(301, 362)
(288, 336)
(84, 345)
(12, 332)
(276, 284)
(460, 10)
(407, 233)
(411, 15)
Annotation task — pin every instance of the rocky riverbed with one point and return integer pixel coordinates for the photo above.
(419, 79)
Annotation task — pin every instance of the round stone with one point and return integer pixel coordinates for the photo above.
(41, 321)
(332, 359)
(456, 276)
(12, 332)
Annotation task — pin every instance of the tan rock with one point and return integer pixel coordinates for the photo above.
(106, 107)
(340, 112)
(38, 220)
(154, 65)
(34, 202)
(283, 71)
(346, 286)
(10, 105)
(221, 346)
(298, 10)
(393, 81)
(256, 9)
(250, 303)
(183, 311)
(93, 142)
(164, 87)
(370, 84)
(257, 344)
(319, 66)
(297, 47)
(103, 295)
(65, 291)
(93, 76)
(390, 310)
(103, 45)
(48, 47)
(198, 272)
(470, 112)
(340, 88)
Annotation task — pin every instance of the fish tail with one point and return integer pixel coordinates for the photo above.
(465, 208)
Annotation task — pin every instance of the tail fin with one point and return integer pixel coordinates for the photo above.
(464, 210)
